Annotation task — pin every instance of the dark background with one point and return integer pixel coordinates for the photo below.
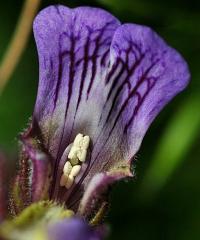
(164, 200)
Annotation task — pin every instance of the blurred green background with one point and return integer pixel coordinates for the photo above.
(164, 200)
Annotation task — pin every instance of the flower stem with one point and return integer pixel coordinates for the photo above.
(18, 41)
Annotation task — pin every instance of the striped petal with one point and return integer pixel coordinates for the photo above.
(144, 75)
(73, 48)
(101, 79)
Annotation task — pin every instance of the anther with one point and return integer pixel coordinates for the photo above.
(75, 170)
(67, 168)
(76, 157)
(79, 149)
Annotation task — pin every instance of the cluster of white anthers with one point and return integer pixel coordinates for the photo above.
(76, 157)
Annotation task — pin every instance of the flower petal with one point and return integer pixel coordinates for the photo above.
(150, 74)
(95, 199)
(73, 47)
(40, 170)
(101, 79)
(33, 179)
(74, 229)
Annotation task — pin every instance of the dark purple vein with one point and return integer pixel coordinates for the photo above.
(120, 88)
(113, 70)
(140, 102)
(94, 62)
(84, 72)
(104, 56)
(132, 94)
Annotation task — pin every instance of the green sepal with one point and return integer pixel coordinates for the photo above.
(33, 221)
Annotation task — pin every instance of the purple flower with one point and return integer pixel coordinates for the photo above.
(74, 229)
(101, 85)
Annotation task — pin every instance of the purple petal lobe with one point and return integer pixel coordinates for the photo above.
(150, 74)
(73, 47)
(74, 229)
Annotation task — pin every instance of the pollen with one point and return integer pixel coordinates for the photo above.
(78, 151)
(67, 168)
(76, 157)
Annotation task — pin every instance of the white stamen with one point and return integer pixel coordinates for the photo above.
(79, 148)
(75, 170)
(73, 152)
(67, 168)
(77, 154)
(86, 141)
(70, 181)
(78, 140)
(82, 155)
